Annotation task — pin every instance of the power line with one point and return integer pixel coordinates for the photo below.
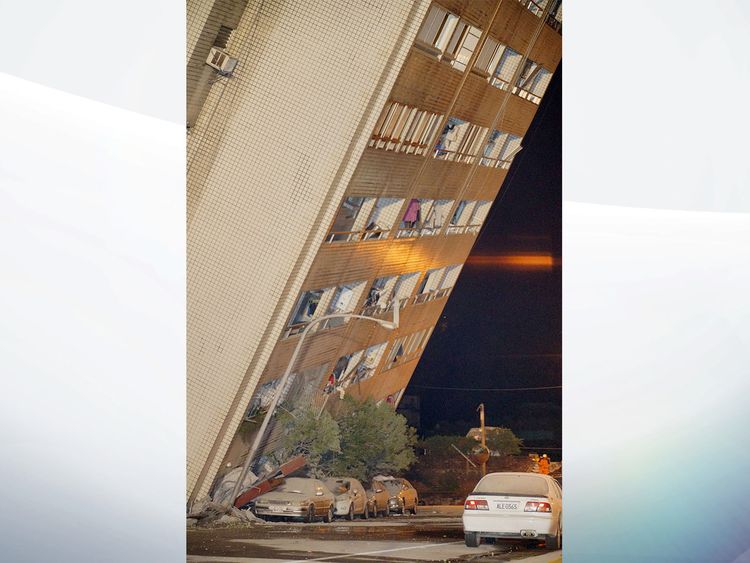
(486, 389)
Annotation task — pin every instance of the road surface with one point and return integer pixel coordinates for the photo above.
(432, 535)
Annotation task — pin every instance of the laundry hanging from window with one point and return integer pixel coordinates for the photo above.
(412, 215)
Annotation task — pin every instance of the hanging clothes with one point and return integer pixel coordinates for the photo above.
(412, 211)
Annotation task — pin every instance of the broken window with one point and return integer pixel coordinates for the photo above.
(379, 294)
(265, 394)
(369, 362)
(307, 306)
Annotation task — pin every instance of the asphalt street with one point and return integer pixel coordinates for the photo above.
(431, 535)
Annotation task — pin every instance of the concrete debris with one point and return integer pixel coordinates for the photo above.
(213, 514)
(225, 487)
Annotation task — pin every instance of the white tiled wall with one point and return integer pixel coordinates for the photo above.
(268, 161)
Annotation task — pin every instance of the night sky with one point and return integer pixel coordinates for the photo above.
(502, 325)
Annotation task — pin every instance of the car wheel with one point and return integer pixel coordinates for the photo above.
(366, 513)
(553, 542)
(472, 539)
(414, 508)
(328, 518)
(310, 514)
(350, 514)
(375, 510)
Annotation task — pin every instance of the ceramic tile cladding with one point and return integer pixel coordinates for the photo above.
(269, 157)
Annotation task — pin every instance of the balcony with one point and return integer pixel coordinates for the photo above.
(554, 17)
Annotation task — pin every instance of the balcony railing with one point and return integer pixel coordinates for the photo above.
(356, 236)
(495, 162)
(463, 229)
(375, 310)
(454, 156)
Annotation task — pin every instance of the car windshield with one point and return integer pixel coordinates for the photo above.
(393, 487)
(298, 486)
(509, 484)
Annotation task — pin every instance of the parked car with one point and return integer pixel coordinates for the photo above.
(402, 497)
(351, 498)
(514, 506)
(297, 497)
(377, 499)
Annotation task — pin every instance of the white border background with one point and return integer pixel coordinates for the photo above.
(656, 273)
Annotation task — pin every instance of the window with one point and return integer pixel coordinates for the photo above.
(369, 362)
(533, 82)
(436, 216)
(481, 210)
(265, 394)
(404, 129)
(344, 301)
(536, 7)
(451, 276)
(404, 287)
(462, 45)
(383, 217)
(459, 141)
(329, 301)
(355, 367)
(350, 218)
(379, 294)
(437, 28)
(364, 218)
(500, 149)
(307, 306)
(508, 61)
(430, 281)
(448, 37)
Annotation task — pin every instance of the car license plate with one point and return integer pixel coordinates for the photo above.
(507, 505)
(277, 508)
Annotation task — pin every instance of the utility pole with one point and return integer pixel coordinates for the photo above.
(484, 456)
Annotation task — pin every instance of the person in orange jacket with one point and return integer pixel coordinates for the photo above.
(544, 465)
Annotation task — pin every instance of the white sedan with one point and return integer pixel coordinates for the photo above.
(514, 506)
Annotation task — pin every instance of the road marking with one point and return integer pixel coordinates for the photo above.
(374, 552)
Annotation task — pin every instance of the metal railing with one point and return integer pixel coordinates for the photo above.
(463, 229)
(356, 236)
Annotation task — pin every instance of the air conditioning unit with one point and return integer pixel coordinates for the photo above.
(221, 61)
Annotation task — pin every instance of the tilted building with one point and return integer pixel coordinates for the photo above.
(342, 157)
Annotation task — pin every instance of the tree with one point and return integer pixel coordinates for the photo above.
(441, 447)
(314, 437)
(374, 440)
(503, 441)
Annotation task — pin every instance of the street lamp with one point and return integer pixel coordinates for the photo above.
(390, 325)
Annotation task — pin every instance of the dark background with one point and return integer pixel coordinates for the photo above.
(502, 326)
